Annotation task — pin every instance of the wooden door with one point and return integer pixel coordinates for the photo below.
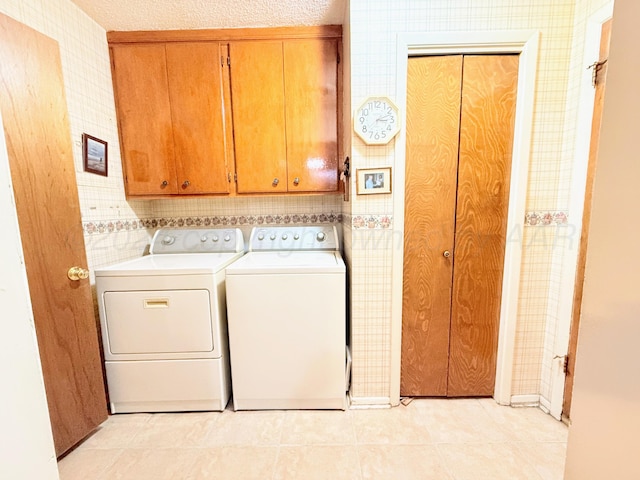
(433, 125)
(144, 118)
(257, 96)
(600, 77)
(311, 114)
(486, 137)
(460, 116)
(195, 91)
(36, 126)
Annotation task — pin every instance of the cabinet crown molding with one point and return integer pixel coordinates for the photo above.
(227, 34)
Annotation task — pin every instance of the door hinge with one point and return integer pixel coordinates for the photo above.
(235, 177)
(229, 177)
(228, 61)
(221, 61)
(565, 362)
(338, 56)
(596, 74)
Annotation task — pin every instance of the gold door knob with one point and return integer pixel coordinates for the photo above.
(296, 181)
(446, 254)
(77, 273)
(164, 184)
(275, 182)
(186, 183)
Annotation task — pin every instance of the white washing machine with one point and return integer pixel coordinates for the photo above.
(287, 320)
(164, 324)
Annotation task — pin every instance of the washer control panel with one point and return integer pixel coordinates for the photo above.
(197, 240)
(307, 237)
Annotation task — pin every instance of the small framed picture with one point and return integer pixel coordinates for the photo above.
(94, 154)
(370, 181)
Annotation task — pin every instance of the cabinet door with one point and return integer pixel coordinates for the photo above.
(257, 95)
(144, 117)
(195, 93)
(310, 77)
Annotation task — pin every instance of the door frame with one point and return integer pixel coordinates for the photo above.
(526, 44)
(576, 205)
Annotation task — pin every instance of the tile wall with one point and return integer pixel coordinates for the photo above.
(373, 27)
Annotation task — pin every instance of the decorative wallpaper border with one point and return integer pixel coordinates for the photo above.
(110, 226)
(371, 222)
(543, 219)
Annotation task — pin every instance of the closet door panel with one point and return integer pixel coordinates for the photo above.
(486, 136)
(433, 116)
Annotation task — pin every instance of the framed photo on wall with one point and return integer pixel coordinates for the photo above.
(94, 155)
(371, 181)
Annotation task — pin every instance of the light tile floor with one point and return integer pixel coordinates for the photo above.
(471, 439)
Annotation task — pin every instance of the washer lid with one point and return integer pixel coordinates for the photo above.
(170, 264)
(287, 262)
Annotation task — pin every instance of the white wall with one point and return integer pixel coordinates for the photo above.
(603, 438)
(26, 442)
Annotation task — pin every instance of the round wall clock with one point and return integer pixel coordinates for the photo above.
(377, 120)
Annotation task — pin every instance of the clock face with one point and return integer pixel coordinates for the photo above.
(377, 121)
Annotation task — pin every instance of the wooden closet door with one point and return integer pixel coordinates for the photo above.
(257, 95)
(486, 137)
(36, 127)
(433, 124)
(312, 102)
(195, 73)
(140, 81)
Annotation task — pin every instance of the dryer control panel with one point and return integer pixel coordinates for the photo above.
(197, 240)
(307, 237)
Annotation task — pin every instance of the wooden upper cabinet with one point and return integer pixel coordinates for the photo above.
(311, 92)
(169, 99)
(195, 93)
(257, 94)
(144, 117)
(285, 103)
(197, 108)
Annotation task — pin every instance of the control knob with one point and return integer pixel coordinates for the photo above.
(214, 238)
(168, 240)
(321, 236)
(272, 236)
(284, 236)
(260, 236)
(203, 239)
(227, 238)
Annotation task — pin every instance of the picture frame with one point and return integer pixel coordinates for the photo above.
(95, 155)
(373, 181)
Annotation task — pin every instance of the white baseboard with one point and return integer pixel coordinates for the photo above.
(545, 404)
(525, 400)
(369, 402)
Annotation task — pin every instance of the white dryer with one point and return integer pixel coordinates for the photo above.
(287, 320)
(164, 325)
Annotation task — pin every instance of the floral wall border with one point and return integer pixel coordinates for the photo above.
(110, 226)
(543, 219)
(371, 222)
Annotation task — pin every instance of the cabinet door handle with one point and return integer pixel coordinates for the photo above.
(296, 181)
(186, 183)
(164, 184)
(275, 182)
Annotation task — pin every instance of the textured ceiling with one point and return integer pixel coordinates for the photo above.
(194, 14)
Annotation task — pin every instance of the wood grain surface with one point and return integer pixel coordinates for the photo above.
(144, 118)
(194, 73)
(598, 103)
(311, 114)
(486, 137)
(257, 91)
(433, 116)
(36, 126)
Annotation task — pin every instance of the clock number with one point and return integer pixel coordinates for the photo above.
(361, 119)
(365, 112)
(364, 129)
(377, 104)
